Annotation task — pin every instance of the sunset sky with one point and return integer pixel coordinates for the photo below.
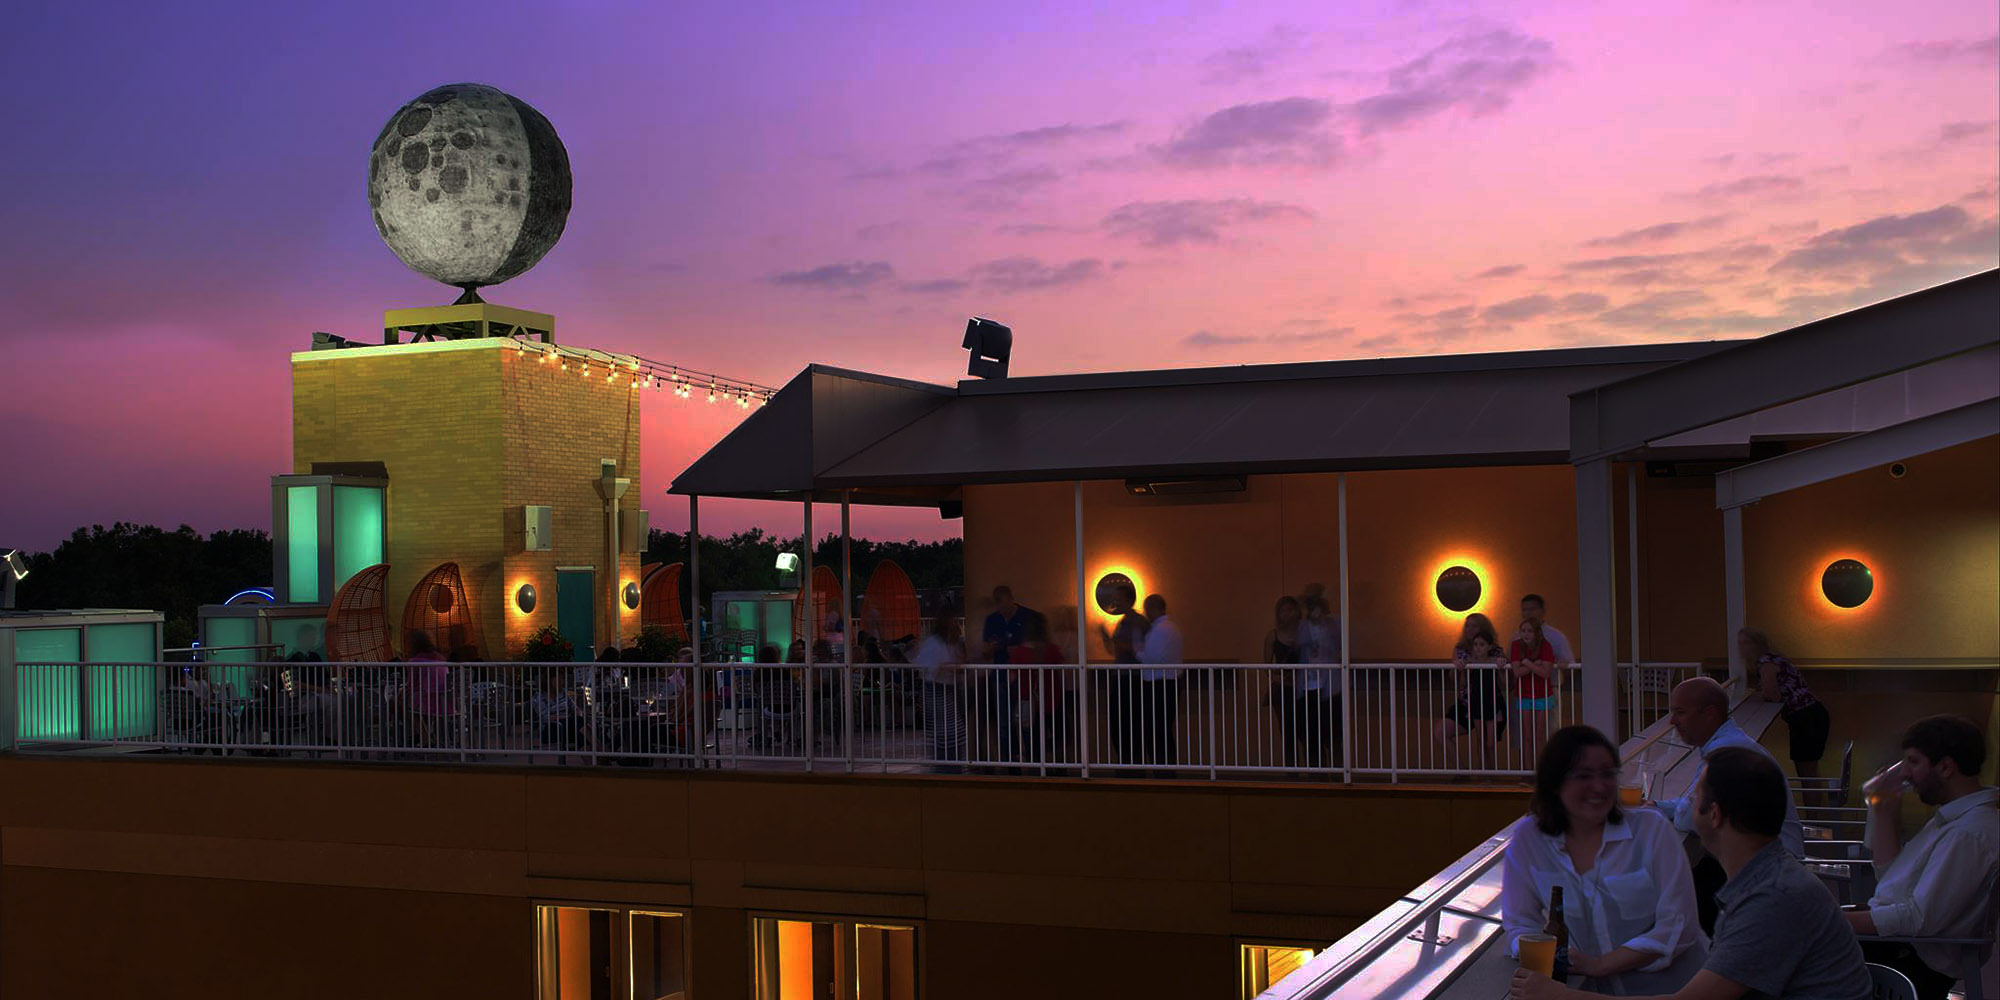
(1130, 185)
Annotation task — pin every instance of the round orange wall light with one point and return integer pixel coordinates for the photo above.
(1847, 583)
(1458, 589)
(1115, 593)
(524, 598)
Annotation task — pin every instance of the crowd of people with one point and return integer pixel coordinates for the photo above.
(1643, 919)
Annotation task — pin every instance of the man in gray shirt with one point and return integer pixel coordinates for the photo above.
(1780, 936)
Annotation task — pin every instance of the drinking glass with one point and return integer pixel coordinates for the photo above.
(1538, 953)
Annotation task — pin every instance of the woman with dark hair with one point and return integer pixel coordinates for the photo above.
(1481, 709)
(1628, 896)
(1780, 681)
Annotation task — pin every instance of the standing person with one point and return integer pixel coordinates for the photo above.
(1006, 630)
(1281, 648)
(1481, 709)
(1698, 709)
(1320, 687)
(1533, 664)
(940, 662)
(430, 684)
(1040, 693)
(1159, 686)
(1938, 884)
(1628, 900)
(1781, 934)
(1536, 610)
(1805, 718)
(1123, 640)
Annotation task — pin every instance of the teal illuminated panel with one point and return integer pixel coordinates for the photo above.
(118, 682)
(302, 543)
(357, 531)
(45, 683)
(231, 632)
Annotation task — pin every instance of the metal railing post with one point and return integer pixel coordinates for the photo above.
(1214, 695)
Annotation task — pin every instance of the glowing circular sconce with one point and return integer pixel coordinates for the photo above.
(441, 598)
(1847, 583)
(631, 595)
(1458, 589)
(524, 598)
(1116, 593)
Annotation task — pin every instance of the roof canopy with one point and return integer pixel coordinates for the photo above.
(892, 441)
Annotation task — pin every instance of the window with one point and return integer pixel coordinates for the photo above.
(611, 953)
(833, 960)
(1263, 965)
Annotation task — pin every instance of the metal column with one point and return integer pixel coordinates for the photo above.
(1733, 601)
(1082, 652)
(696, 710)
(847, 629)
(1597, 594)
(806, 594)
(1346, 652)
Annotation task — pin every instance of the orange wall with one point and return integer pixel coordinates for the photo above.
(1932, 538)
(1222, 561)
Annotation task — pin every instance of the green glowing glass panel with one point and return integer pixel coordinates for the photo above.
(45, 683)
(118, 682)
(302, 543)
(357, 531)
(231, 632)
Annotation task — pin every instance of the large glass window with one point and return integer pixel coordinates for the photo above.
(1264, 965)
(611, 953)
(833, 960)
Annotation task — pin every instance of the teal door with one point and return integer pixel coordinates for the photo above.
(576, 610)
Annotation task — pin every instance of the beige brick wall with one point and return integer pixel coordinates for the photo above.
(558, 426)
(470, 431)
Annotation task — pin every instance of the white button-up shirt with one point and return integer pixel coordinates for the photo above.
(1638, 894)
(1162, 646)
(1792, 835)
(1940, 882)
(1558, 644)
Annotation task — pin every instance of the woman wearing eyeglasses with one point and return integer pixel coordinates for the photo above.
(1628, 897)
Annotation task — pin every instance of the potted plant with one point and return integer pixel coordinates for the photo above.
(549, 646)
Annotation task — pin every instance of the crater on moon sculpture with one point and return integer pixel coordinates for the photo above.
(469, 185)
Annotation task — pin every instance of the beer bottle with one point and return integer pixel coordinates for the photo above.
(1559, 930)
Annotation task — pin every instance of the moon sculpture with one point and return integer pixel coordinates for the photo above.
(469, 185)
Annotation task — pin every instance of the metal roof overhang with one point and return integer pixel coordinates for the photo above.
(1922, 328)
(904, 443)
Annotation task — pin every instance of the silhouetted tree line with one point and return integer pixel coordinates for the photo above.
(147, 567)
(748, 560)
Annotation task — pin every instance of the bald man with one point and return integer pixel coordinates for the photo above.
(1699, 712)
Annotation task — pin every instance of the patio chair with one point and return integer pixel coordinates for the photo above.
(1888, 984)
(1835, 789)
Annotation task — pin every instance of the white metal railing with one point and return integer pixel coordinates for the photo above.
(1369, 721)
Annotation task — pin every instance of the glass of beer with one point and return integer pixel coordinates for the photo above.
(1631, 787)
(1538, 953)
